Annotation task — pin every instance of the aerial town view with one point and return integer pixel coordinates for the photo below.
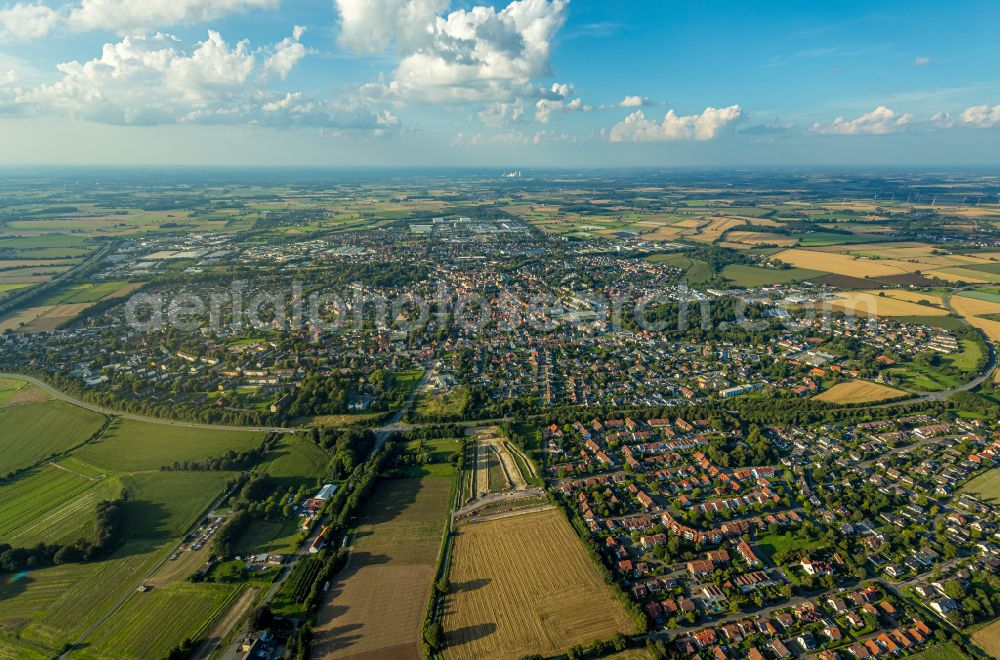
(355, 331)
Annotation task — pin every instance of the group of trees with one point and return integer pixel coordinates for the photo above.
(348, 448)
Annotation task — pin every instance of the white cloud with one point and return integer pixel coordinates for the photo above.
(475, 55)
(880, 121)
(125, 16)
(287, 54)
(503, 114)
(546, 108)
(24, 21)
(921, 60)
(980, 116)
(150, 80)
(705, 126)
(375, 25)
(635, 102)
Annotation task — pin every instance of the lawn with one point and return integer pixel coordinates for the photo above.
(406, 381)
(946, 651)
(966, 360)
(130, 445)
(295, 461)
(33, 432)
(772, 543)
(986, 485)
(280, 537)
(922, 379)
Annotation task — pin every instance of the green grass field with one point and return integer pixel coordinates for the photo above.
(30, 498)
(81, 293)
(969, 356)
(295, 461)
(163, 505)
(753, 276)
(56, 605)
(696, 271)
(440, 466)
(270, 536)
(773, 543)
(130, 445)
(443, 405)
(946, 322)
(946, 651)
(150, 624)
(406, 381)
(35, 431)
(986, 485)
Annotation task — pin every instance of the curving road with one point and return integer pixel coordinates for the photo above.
(62, 396)
(991, 366)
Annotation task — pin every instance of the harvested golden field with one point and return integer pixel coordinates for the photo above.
(909, 295)
(969, 307)
(885, 249)
(716, 229)
(663, 234)
(56, 316)
(965, 274)
(988, 639)
(20, 318)
(868, 304)
(843, 264)
(858, 391)
(973, 306)
(375, 606)
(949, 275)
(974, 259)
(525, 585)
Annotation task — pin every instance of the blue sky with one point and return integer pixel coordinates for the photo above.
(524, 83)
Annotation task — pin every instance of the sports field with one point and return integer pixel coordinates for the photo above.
(858, 391)
(524, 585)
(376, 605)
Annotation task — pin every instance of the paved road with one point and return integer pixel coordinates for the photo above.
(392, 424)
(62, 396)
